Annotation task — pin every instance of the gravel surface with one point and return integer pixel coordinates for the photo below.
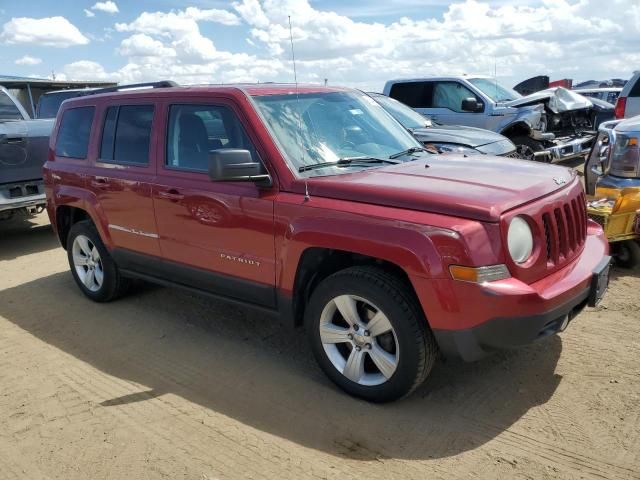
(165, 384)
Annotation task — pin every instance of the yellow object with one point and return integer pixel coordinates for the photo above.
(618, 220)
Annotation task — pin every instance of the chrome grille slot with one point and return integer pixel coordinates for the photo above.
(562, 233)
(571, 228)
(546, 221)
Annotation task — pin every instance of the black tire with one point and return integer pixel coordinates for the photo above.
(113, 284)
(527, 146)
(627, 253)
(417, 349)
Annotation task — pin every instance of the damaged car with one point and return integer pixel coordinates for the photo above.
(552, 125)
(446, 139)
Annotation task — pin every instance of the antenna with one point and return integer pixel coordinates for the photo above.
(495, 73)
(295, 79)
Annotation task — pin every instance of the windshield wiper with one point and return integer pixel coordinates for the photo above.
(346, 161)
(408, 151)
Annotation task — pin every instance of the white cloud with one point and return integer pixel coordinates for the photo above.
(85, 70)
(89, 13)
(107, 7)
(556, 37)
(560, 38)
(49, 32)
(180, 31)
(28, 60)
(141, 45)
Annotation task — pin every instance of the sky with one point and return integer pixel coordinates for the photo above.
(354, 43)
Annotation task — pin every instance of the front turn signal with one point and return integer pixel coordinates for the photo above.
(489, 273)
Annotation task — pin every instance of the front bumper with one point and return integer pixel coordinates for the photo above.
(22, 195)
(578, 147)
(470, 321)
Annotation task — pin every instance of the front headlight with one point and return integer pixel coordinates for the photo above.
(446, 148)
(625, 161)
(520, 240)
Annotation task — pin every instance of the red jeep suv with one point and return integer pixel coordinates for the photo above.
(314, 204)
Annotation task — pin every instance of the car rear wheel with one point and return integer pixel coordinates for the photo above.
(92, 267)
(369, 335)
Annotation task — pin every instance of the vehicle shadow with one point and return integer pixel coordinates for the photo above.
(25, 235)
(250, 368)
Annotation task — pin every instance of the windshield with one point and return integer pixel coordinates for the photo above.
(313, 128)
(49, 104)
(494, 90)
(407, 116)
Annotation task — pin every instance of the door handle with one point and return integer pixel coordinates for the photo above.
(172, 195)
(12, 140)
(100, 183)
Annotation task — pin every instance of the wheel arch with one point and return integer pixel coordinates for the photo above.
(74, 205)
(318, 263)
(516, 129)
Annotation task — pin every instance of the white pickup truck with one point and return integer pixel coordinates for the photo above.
(24, 143)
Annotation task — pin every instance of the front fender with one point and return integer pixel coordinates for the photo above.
(420, 249)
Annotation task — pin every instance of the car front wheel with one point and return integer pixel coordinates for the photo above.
(369, 335)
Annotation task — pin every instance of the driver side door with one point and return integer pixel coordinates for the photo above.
(447, 105)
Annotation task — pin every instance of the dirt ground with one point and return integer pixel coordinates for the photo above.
(165, 384)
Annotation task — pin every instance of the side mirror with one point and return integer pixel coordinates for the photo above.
(472, 105)
(236, 165)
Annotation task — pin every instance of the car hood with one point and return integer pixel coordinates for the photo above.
(467, 136)
(558, 99)
(479, 188)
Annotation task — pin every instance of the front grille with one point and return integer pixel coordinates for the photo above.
(565, 229)
(513, 155)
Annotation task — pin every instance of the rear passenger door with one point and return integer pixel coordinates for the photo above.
(124, 174)
(216, 236)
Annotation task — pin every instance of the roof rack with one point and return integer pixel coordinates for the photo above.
(133, 86)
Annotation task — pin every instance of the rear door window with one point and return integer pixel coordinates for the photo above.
(414, 94)
(196, 130)
(126, 134)
(74, 132)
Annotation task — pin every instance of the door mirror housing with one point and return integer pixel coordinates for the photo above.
(472, 105)
(236, 165)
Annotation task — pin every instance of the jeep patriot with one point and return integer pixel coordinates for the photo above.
(315, 204)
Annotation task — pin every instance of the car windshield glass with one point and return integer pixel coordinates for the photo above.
(494, 90)
(407, 116)
(324, 127)
(49, 104)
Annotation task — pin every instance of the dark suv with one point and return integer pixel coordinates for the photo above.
(314, 204)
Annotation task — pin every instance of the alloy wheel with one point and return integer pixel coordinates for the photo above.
(87, 263)
(359, 340)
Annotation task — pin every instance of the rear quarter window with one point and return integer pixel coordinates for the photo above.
(74, 132)
(635, 90)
